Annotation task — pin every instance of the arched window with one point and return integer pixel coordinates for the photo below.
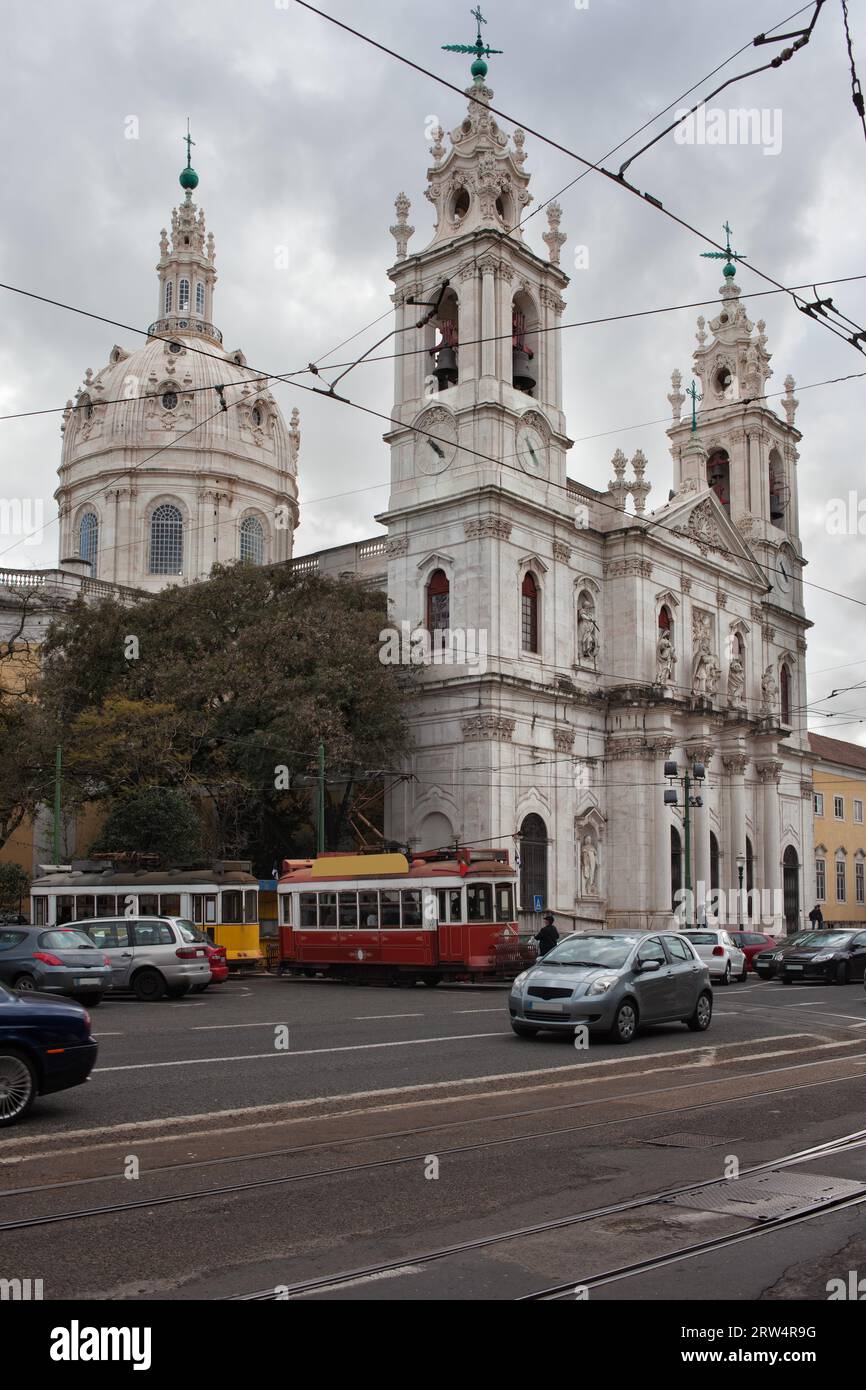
(779, 492)
(256, 416)
(88, 539)
(524, 344)
(183, 296)
(252, 541)
(169, 290)
(446, 342)
(166, 540)
(533, 863)
(438, 601)
(719, 477)
(785, 692)
(676, 866)
(714, 862)
(199, 297)
(665, 623)
(529, 613)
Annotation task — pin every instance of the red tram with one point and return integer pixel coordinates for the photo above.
(378, 918)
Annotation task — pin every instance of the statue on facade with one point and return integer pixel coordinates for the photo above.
(587, 642)
(713, 677)
(665, 658)
(736, 681)
(768, 691)
(588, 867)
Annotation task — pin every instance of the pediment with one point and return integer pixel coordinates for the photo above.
(699, 518)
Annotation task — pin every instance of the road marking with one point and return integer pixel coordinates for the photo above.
(476, 1011)
(107, 1035)
(362, 1017)
(290, 1112)
(214, 1027)
(309, 1052)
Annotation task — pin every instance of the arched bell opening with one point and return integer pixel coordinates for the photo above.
(779, 490)
(719, 477)
(524, 344)
(446, 346)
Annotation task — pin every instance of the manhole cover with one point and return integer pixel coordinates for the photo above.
(688, 1141)
(771, 1194)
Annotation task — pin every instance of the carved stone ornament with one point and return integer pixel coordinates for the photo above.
(483, 526)
(769, 771)
(488, 726)
(396, 545)
(621, 569)
(561, 551)
(563, 739)
(703, 528)
(735, 764)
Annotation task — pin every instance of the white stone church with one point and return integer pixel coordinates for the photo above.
(615, 639)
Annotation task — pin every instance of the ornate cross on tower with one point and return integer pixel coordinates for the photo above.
(727, 255)
(189, 142)
(479, 48)
(696, 396)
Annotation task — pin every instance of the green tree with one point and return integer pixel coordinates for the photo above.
(14, 887)
(236, 680)
(153, 821)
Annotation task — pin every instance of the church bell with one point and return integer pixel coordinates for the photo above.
(522, 371)
(445, 370)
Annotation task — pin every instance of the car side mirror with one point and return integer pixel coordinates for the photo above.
(642, 966)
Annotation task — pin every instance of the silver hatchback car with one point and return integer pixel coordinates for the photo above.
(151, 956)
(613, 982)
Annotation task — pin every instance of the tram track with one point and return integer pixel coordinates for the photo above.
(830, 1148)
(343, 1170)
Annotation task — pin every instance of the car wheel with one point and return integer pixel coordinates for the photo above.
(431, 981)
(17, 1086)
(25, 982)
(842, 973)
(625, 1022)
(703, 1014)
(523, 1030)
(726, 978)
(149, 986)
(745, 975)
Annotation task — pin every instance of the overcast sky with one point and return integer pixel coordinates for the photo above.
(304, 136)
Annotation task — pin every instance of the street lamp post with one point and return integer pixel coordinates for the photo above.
(741, 865)
(697, 773)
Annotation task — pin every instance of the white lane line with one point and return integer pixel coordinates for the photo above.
(366, 1017)
(107, 1035)
(215, 1027)
(478, 1011)
(309, 1052)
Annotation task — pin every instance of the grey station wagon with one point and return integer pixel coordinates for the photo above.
(152, 956)
(613, 982)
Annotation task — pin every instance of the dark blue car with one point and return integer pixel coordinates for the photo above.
(45, 1046)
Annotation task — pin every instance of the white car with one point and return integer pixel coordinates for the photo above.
(716, 948)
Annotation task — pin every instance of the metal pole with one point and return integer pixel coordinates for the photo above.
(58, 757)
(687, 783)
(740, 896)
(320, 829)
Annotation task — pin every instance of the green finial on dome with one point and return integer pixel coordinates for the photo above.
(479, 48)
(188, 177)
(729, 256)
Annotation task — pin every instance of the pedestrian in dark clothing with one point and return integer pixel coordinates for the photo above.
(816, 916)
(548, 936)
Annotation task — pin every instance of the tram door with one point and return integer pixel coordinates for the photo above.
(452, 920)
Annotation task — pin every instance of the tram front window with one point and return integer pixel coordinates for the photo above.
(308, 910)
(251, 905)
(232, 906)
(504, 902)
(368, 909)
(479, 903)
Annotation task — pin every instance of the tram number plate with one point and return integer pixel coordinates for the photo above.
(548, 1005)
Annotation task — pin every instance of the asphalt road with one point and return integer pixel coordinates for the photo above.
(313, 1129)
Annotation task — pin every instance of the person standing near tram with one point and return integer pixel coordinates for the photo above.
(548, 936)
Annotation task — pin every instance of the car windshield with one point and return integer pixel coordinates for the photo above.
(828, 938)
(190, 932)
(604, 951)
(66, 939)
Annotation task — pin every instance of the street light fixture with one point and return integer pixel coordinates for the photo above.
(741, 868)
(697, 773)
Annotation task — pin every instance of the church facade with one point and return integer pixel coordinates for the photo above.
(579, 643)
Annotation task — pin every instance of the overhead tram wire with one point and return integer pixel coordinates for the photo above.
(283, 377)
(815, 311)
(856, 89)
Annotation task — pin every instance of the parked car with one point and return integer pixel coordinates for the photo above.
(54, 960)
(151, 956)
(45, 1046)
(720, 955)
(768, 963)
(219, 966)
(833, 956)
(751, 942)
(613, 982)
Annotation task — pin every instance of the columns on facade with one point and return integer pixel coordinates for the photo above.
(770, 773)
(701, 753)
(735, 767)
(488, 317)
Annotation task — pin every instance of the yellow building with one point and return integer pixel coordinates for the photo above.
(839, 786)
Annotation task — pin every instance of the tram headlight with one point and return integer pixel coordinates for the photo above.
(517, 982)
(602, 984)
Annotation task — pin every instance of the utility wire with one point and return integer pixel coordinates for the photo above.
(856, 89)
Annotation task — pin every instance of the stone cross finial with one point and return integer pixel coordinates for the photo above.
(553, 237)
(639, 488)
(701, 334)
(401, 232)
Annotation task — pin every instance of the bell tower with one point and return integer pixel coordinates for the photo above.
(738, 446)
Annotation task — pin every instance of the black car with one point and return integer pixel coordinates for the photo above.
(45, 1046)
(833, 956)
(768, 963)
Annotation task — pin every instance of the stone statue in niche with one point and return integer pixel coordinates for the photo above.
(588, 867)
(736, 681)
(703, 662)
(587, 641)
(665, 658)
(768, 691)
(713, 677)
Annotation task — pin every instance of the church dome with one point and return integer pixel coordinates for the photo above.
(175, 454)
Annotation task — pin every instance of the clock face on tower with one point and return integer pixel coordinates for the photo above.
(435, 440)
(532, 451)
(783, 576)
